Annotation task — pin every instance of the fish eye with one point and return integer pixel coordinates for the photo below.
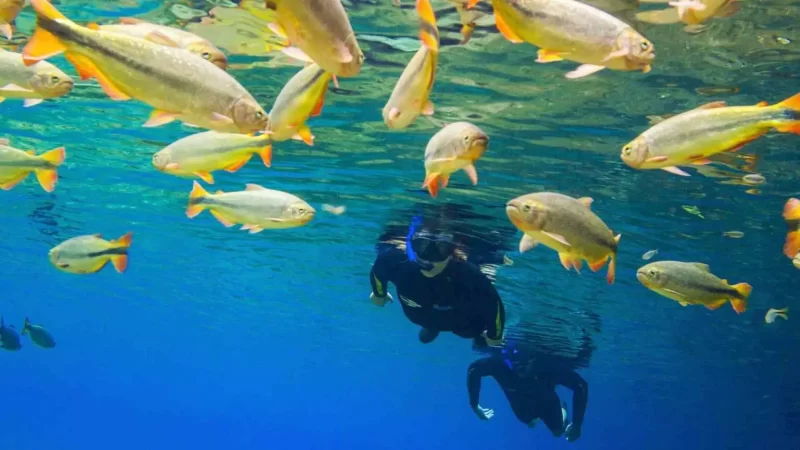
(627, 149)
(466, 138)
(54, 79)
(652, 272)
(259, 115)
(206, 55)
(526, 208)
(644, 45)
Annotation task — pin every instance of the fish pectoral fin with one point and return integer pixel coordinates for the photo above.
(675, 170)
(504, 29)
(717, 304)
(205, 176)
(87, 69)
(221, 120)
(656, 159)
(583, 70)
(527, 243)
(28, 102)
(10, 183)
(222, 219)
(15, 88)
(545, 56)
(472, 173)
(158, 118)
(296, 53)
(160, 38)
(682, 299)
(558, 238)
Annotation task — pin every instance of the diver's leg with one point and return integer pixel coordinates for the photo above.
(554, 413)
(426, 335)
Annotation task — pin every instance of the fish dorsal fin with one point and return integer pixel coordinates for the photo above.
(93, 26)
(160, 38)
(130, 21)
(587, 201)
(4, 141)
(712, 105)
(703, 266)
(254, 187)
(98, 236)
(219, 192)
(31, 152)
(762, 104)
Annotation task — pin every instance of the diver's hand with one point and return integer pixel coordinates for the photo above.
(490, 341)
(381, 301)
(483, 413)
(572, 433)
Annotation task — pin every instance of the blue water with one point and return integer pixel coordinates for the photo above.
(214, 338)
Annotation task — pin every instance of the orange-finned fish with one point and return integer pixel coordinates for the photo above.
(178, 84)
(411, 94)
(90, 253)
(173, 37)
(568, 226)
(455, 147)
(691, 12)
(16, 165)
(575, 31)
(791, 213)
(31, 83)
(9, 10)
(301, 98)
(691, 137)
(319, 31)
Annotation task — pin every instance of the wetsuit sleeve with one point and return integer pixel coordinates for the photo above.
(385, 265)
(481, 368)
(492, 311)
(580, 395)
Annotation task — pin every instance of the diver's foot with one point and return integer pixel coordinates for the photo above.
(426, 335)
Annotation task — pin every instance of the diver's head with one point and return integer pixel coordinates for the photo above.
(433, 251)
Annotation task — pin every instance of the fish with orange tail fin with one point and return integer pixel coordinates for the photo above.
(691, 137)
(16, 165)
(791, 212)
(693, 284)
(176, 83)
(568, 226)
(411, 94)
(9, 10)
(302, 97)
(574, 31)
(455, 147)
(318, 31)
(90, 253)
(691, 12)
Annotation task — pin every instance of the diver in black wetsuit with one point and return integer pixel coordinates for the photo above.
(532, 395)
(438, 291)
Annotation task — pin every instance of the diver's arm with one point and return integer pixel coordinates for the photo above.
(481, 368)
(380, 275)
(580, 395)
(494, 314)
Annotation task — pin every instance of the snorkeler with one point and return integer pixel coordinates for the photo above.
(438, 291)
(532, 395)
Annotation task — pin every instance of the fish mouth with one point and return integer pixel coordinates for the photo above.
(514, 214)
(642, 277)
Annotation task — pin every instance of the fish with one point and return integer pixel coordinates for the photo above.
(202, 153)
(39, 335)
(318, 31)
(302, 97)
(256, 208)
(335, 210)
(791, 213)
(9, 339)
(691, 12)
(691, 137)
(649, 255)
(90, 253)
(468, 16)
(773, 314)
(411, 94)
(31, 83)
(170, 36)
(16, 165)
(455, 147)
(176, 83)
(568, 226)
(796, 261)
(9, 10)
(574, 31)
(692, 283)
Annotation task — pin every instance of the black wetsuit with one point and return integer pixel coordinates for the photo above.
(531, 396)
(461, 299)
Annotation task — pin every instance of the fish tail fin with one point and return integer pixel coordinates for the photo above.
(432, 183)
(43, 44)
(26, 327)
(740, 304)
(792, 106)
(428, 31)
(266, 154)
(195, 197)
(48, 177)
(792, 246)
(791, 211)
(120, 262)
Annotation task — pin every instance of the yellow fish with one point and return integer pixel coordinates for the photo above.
(411, 94)
(773, 314)
(791, 213)
(301, 98)
(468, 16)
(202, 153)
(319, 31)
(31, 83)
(691, 12)
(90, 253)
(455, 147)
(9, 10)
(178, 84)
(568, 226)
(575, 31)
(693, 136)
(16, 165)
(173, 37)
(256, 208)
(693, 284)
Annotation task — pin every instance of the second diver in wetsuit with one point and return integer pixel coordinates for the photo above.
(438, 291)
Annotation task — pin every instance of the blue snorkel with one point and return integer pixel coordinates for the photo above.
(416, 223)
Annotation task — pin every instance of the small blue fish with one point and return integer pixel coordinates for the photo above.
(38, 334)
(9, 339)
